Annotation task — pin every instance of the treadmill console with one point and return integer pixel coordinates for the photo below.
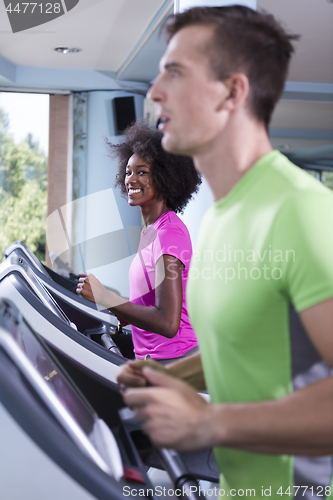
(17, 264)
(22, 247)
(46, 377)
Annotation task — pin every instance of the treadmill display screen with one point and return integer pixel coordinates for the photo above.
(43, 362)
(48, 379)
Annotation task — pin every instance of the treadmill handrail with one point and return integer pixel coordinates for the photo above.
(100, 315)
(48, 283)
(182, 478)
(49, 398)
(11, 267)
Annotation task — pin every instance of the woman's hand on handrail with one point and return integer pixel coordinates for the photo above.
(90, 288)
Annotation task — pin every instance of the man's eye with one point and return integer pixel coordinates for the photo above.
(173, 72)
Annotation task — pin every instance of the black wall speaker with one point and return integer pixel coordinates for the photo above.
(124, 113)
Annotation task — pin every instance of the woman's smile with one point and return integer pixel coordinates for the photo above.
(132, 191)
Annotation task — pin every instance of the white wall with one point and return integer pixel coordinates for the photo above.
(196, 209)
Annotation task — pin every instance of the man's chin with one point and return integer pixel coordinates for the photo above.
(172, 146)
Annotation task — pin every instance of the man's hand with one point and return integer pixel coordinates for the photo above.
(130, 374)
(173, 414)
(188, 369)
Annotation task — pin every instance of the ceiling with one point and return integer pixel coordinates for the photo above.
(103, 29)
(313, 20)
(119, 41)
(108, 32)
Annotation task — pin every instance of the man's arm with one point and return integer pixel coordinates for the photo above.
(301, 423)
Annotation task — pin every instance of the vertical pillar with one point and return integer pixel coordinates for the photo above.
(60, 158)
(80, 124)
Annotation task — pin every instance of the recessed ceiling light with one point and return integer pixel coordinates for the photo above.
(65, 50)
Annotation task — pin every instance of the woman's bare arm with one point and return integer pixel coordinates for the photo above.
(163, 318)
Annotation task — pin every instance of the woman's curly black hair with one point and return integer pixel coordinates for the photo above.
(174, 176)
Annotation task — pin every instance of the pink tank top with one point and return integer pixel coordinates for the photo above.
(167, 236)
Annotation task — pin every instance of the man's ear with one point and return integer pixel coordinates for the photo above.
(238, 87)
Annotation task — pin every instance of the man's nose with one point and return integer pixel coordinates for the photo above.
(154, 93)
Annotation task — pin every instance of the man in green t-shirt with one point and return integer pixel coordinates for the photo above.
(260, 291)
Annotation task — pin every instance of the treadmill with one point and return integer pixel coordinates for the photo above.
(54, 444)
(69, 282)
(91, 366)
(75, 306)
(78, 343)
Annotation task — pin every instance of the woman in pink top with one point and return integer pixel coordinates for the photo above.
(161, 184)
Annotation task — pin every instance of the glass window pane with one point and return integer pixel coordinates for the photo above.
(314, 173)
(327, 178)
(24, 125)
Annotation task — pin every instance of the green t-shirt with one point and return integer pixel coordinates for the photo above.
(264, 252)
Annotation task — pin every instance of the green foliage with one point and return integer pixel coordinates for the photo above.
(23, 191)
(4, 122)
(35, 163)
(23, 217)
(19, 162)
